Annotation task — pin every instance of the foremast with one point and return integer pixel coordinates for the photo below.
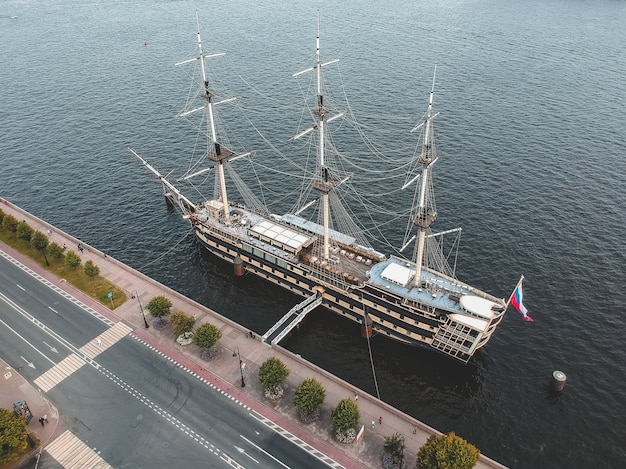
(215, 152)
(325, 181)
(426, 211)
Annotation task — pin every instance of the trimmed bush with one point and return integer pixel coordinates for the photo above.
(55, 250)
(393, 451)
(9, 223)
(447, 452)
(207, 336)
(72, 260)
(91, 269)
(159, 306)
(272, 374)
(345, 416)
(23, 231)
(182, 322)
(308, 398)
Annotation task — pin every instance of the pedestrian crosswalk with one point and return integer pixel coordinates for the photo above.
(69, 451)
(106, 339)
(59, 372)
(73, 362)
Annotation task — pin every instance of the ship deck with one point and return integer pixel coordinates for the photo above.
(342, 261)
(436, 290)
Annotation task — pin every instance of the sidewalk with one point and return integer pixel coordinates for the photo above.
(14, 388)
(224, 372)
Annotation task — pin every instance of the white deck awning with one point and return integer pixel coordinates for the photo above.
(478, 306)
(398, 274)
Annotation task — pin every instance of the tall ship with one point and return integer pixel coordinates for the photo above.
(318, 252)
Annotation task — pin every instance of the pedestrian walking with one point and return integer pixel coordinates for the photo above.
(356, 397)
(373, 424)
(99, 343)
(80, 247)
(45, 417)
(41, 421)
(380, 420)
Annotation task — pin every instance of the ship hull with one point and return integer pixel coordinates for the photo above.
(383, 310)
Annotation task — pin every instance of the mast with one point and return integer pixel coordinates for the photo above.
(326, 183)
(214, 151)
(426, 212)
(324, 187)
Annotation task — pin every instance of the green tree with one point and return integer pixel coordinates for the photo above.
(272, 373)
(2, 214)
(447, 452)
(182, 322)
(207, 336)
(308, 398)
(40, 242)
(72, 260)
(13, 436)
(345, 416)
(91, 269)
(393, 451)
(55, 250)
(23, 231)
(159, 306)
(9, 223)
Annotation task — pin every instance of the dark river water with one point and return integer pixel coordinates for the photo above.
(532, 96)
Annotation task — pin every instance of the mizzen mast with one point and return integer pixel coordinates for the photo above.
(426, 211)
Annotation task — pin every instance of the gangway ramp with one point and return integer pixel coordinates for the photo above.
(291, 319)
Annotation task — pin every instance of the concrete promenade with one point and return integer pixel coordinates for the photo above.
(224, 372)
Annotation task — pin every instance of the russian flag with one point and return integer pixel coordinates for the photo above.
(516, 300)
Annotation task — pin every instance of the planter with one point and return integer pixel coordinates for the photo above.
(274, 394)
(185, 338)
(210, 354)
(160, 324)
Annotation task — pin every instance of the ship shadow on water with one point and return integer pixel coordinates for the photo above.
(248, 300)
(416, 380)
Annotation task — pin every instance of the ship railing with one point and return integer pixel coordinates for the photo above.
(331, 279)
(216, 230)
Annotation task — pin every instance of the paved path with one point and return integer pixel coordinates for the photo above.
(224, 372)
(14, 388)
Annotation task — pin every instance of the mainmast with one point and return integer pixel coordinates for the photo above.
(325, 182)
(426, 212)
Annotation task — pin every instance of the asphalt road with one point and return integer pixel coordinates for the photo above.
(131, 405)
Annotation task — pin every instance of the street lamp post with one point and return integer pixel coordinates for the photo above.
(136, 295)
(236, 354)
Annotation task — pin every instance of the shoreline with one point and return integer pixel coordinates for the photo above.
(365, 453)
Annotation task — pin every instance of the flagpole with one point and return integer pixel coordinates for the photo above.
(521, 279)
